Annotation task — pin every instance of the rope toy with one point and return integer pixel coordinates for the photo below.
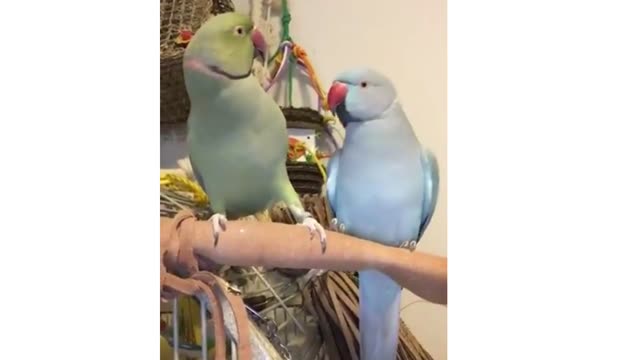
(286, 57)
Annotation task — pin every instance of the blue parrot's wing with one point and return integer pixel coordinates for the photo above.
(431, 186)
(332, 175)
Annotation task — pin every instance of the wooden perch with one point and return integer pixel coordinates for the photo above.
(184, 239)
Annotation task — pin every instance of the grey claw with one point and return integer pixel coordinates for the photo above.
(315, 227)
(409, 245)
(219, 223)
(333, 224)
(412, 245)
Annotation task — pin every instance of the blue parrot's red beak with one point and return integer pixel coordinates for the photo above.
(259, 43)
(337, 95)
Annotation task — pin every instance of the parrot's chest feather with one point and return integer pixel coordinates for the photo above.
(239, 177)
(380, 187)
(238, 144)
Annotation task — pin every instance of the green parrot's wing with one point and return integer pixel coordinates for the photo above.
(197, 175)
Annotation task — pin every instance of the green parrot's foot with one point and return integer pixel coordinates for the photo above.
(315, 228)
(411, 245)
(336, 225)
(219, 223)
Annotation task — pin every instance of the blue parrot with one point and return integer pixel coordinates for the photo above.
(382, 186)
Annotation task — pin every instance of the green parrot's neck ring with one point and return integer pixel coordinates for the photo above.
(218, 71)
(199, 66)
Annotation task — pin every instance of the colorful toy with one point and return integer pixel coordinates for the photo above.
(301, 122)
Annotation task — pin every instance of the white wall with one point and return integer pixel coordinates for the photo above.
(406, 39)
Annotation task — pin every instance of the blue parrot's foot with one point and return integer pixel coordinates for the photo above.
(411, 245)
(219, 222)
(314, 227)
(335, 225)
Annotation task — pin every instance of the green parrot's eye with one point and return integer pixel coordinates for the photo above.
(239, 30)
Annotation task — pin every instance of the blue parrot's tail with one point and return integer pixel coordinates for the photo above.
(379, 316)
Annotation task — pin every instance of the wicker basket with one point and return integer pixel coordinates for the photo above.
(305, 177)
(177, 15)
(303, 118)
(334, 301)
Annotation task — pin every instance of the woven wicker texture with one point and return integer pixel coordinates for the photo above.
(177, 15)
(334, 300)
(305, 177)
(303, 118)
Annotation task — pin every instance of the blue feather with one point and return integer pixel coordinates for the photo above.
(431, 189)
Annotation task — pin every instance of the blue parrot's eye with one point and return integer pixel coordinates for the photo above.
(364, 84)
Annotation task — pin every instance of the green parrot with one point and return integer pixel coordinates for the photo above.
(237, 138)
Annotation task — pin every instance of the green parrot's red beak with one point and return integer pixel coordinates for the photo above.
(259, 43)
(337, 95)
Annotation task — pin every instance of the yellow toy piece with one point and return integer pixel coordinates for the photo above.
(189, 327)
(166, 351)
(179, 183)
(189, 315)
